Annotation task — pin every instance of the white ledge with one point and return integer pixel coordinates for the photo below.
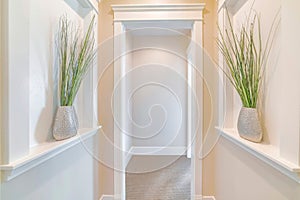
(44, 152)
(265, 152)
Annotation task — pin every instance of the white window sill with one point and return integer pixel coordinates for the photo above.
(44, 152)
(265, 152)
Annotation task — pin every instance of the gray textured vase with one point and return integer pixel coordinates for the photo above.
(249, 126)
(65, 123)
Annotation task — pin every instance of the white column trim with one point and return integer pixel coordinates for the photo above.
(119, 160)
(15, 80)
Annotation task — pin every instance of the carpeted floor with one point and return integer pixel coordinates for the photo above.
(168, 183)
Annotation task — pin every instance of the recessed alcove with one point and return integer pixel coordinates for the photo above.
(31, 95)
(281, 145)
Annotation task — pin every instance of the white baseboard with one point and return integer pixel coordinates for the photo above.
(107, 197)
(111, 197)
(152, 150)
(205, 198)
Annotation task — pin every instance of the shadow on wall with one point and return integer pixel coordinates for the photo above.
(43, 129)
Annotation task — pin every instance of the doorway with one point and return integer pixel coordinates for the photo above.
(157, 88)
(144, 19)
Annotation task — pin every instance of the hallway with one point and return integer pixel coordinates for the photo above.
(149, 100)
(168, 183)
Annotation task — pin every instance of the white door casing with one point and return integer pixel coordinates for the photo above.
(177, 15)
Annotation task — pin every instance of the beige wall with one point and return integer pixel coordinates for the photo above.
(106, 82)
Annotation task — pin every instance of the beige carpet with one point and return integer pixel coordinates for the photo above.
(169, 183)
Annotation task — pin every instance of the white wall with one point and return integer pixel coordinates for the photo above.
(44, 18)
(272, 86)
(73, 173)
(159, 111)
(290, 70)
(239, 175)
(70, 175)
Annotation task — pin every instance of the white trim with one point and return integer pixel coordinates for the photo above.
(107, 197)
(15, 80)
(119, 160)
(157, 7)
(169, 24)
(197, 87)
(155, 150)
(265, 152)
(150, 12)
(111, 197)
(128, 156)
(190, 78)
(205, 198)
(44, 152)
